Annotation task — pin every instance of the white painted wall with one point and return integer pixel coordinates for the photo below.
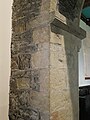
(5, 38)
(85, 50)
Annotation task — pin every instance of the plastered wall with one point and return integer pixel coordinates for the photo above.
(5, 38)
(84, 52)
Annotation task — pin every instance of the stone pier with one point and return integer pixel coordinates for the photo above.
(44, 60)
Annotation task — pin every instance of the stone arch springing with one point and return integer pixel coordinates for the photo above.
(36, 23)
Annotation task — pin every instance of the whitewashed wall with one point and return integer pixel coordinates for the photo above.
(5, 38)
(84, 52)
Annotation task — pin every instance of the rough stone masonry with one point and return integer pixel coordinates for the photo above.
(44, 59)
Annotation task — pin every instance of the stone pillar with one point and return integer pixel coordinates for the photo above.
(44, 62)
(64, 95)
(29, 83)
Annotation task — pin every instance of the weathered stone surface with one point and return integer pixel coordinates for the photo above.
(24, 47)
(43, 61)
(25, 36)
(57, 38)
(63, 77)
(20, 73)
(58, 78)
(26, 9)
(21, 61)
(35, 80)
(18, 104)
(39, 32)
(54, 116)
(63, 114)
(23, 83)
(40, 59)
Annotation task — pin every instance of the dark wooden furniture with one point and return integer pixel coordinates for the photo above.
(84, 103)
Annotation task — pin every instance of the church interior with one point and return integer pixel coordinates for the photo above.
(45, 60)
